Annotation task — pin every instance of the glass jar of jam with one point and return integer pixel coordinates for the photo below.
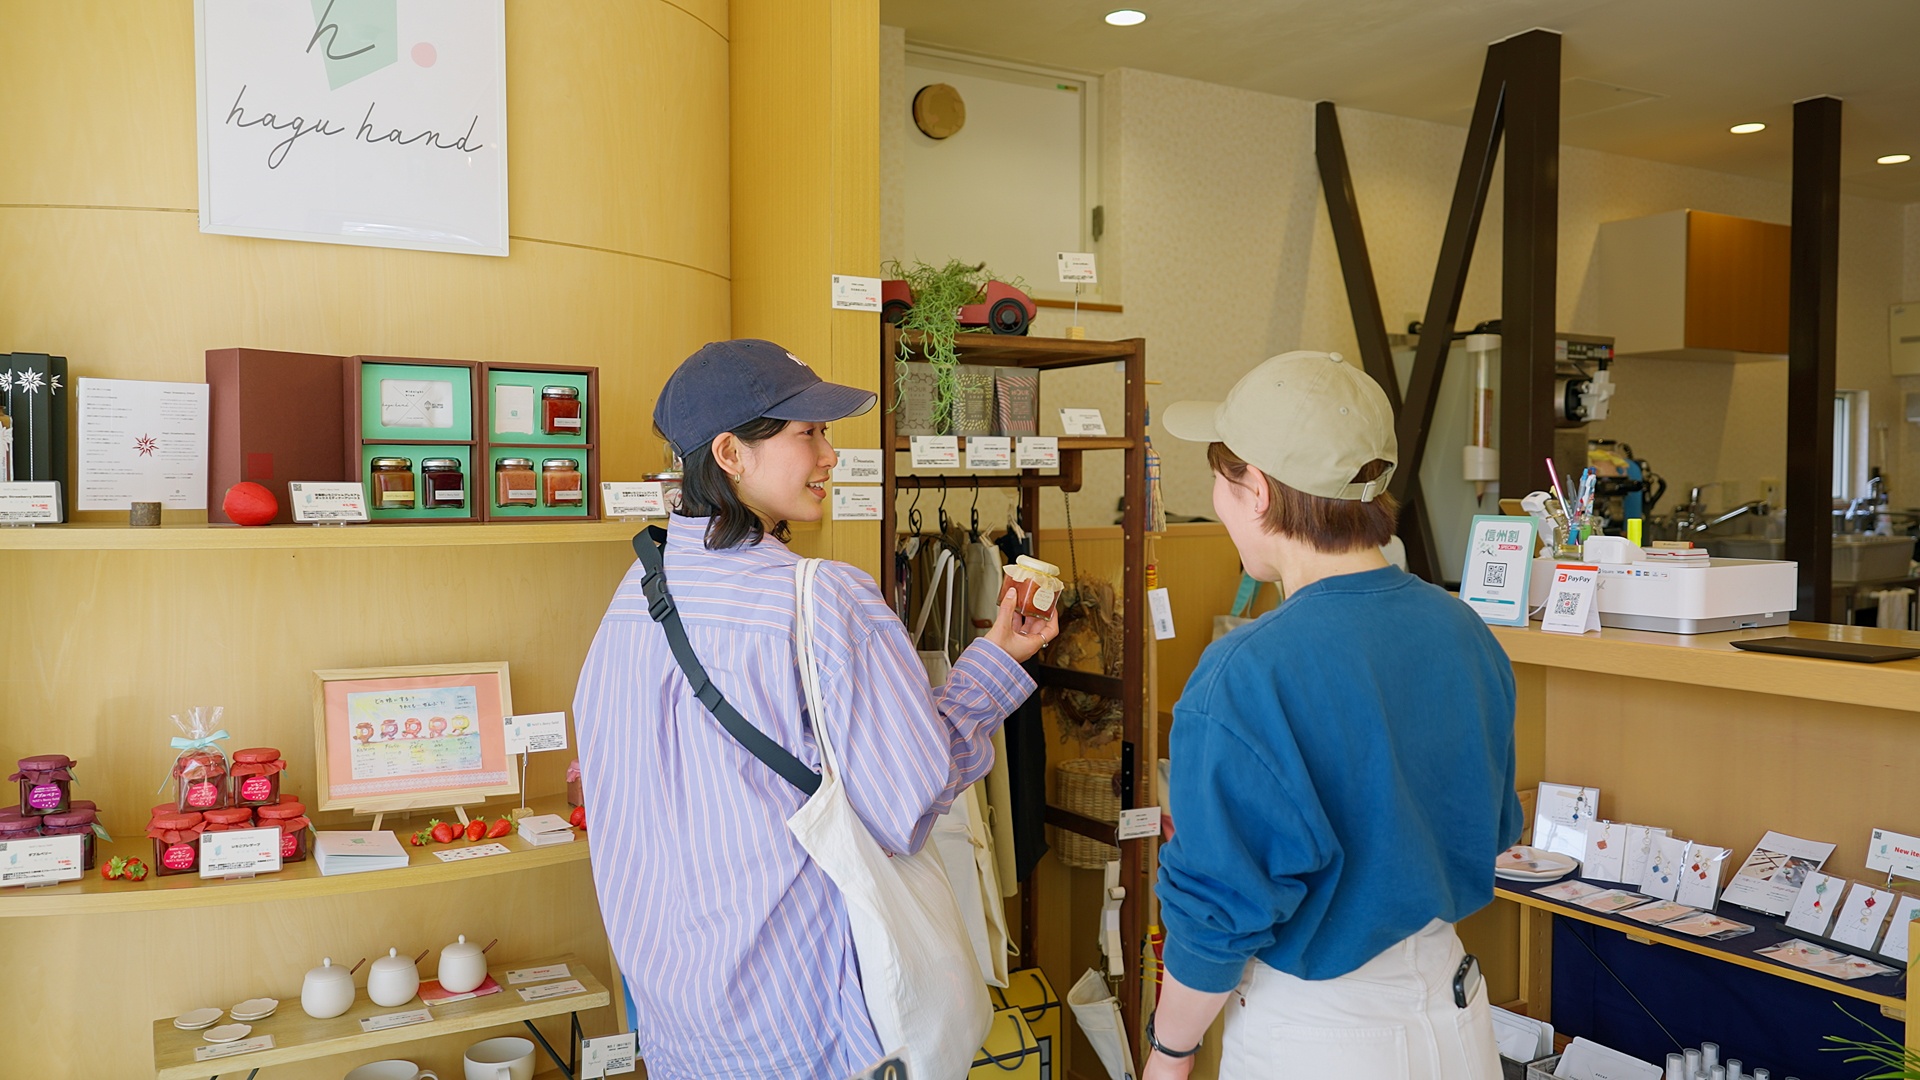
(514, 483)
(560, 483)
(443, 486)
(81, 823)
(200, 781)
(19, 827)
(176, 842)
(44, 783)
(227, 818)
(393, 483)
(560, 410)
(256, 776)
(291, 817)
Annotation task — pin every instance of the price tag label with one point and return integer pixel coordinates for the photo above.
(1076, 267)
(239, 851)
(1162, 609)
(394, 1020)
(1894, 853)
(1038, 452)
(856, 293)
(608, 1056)
(551, 990)
(936, 452)
(1082, 422)
(537, 974)
(1138, 823)
(858, 467)
(314, 501)
(533, 733)
(465, 853)
(646, 499)
(40, 860)
(30, 502)
(989, 452)
(856, 504)
(225, 1050)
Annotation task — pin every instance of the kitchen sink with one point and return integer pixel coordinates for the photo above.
(1855, 558)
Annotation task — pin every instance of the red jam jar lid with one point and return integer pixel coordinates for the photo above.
(12, 813)
(259, 755)
(9, 826)
(68, 820)
(45, 763)
(232, 815)
(163, 808)
(277, 811)
(176, 821)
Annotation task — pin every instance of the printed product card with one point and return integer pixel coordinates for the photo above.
(40, 860)
(513, 410)
(1888, 852)
(1571, 892)
(1076, 267)
(551, 990)
(855, 294)
(1771, 877)
(1138, 823)
(1862, 916)
(1499, 561)
(1701, 874)
(1895, 944)
(239, 852)
(537, 974)
(1662, 879)
(420, 403)
(316, 501)
(531, 733)
(1606, 851)
(609, 1055)
(1823, 961)
(644, 499)
(1612, 901)
(1037, 452)
(936, 452)
(989, 452)
(1161, 607)
(1815, 904)
(1708, 925)
(1572, 600)
(858, 467)
(856, 504)
(226, 1050)
(478, 851)
(36, 501)
(1082, 422)
(394, 1020)
(1640, 841)
(1560, 816)
(1661, 911)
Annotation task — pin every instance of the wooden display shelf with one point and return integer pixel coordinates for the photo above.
(299, 1037)
(1076, 442)
(105, 537)
(1014, 350)
(94, 895)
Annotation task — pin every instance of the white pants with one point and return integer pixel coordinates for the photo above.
(1393, 1019)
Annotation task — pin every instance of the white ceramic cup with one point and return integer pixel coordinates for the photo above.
(391, 1069)
(508, 1058)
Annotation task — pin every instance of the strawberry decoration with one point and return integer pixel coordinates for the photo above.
(578, 819)
(442, 832)
(476, 829)
(420, 837)
(499, 828)
(124, 868)
(135, 870)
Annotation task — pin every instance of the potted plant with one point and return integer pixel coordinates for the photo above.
(931, 322)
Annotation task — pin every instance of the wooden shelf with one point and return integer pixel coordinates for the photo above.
(299, 1037)
(1104, 442)
(101, 537)
(1011, 350)
(93, 895)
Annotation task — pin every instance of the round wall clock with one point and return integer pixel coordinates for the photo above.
(938, 111)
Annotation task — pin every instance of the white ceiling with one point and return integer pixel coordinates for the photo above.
(1686, 70)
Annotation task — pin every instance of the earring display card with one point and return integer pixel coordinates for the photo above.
(1701, 874)
(1606, 851)
(1895, 944)
(1612, 901)
(1862, 916)
(1813, 908)
(1560, 816)
(1662, 879)
(1640, 841)
(1661, 911)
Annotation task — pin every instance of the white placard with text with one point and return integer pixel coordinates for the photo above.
(35, 501)
(609, 1055)
(936, 452)
(1894, 853)
(551, 990)
(239, 852)
(394, 1020)
(856, 504)
(532, 733)
(1161, 607)
(856, 293)
(858, 467)
(989, 452)
(537, 974)
(1572, 600)
(323, 501)
(1138, 823)
(232, 1049)
(624, 499)
(40, 860)
(479, 851)
(1082, 422)
(1037, 452)
(1076, 267)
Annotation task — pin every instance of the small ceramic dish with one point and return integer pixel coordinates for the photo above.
(197, 1019)
(227, 1033)
(254, 1009)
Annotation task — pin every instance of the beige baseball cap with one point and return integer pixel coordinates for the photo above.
(1308, 419)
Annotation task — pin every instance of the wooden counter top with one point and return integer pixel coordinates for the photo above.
(1710, 660)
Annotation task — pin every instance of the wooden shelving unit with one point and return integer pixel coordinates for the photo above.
(1132, 687)
(102, 537)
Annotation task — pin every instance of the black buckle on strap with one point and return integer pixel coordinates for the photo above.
(659, 601)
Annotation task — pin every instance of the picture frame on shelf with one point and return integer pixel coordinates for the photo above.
(411, 738)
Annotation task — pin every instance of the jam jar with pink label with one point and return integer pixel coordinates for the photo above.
(76, 821)
(200, 781)
(176, 842)
(255, 776)
(291, 817)
(44, 783)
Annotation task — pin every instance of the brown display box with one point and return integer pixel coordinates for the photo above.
(273, 417)
(586, 448)
(368, 432)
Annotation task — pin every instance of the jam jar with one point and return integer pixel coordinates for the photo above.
(227, 818)
(200, 781)
(291, 817)
(514, 483)
(256, 776)
(560, 483)
(176, 842)
(443, 486)
(44, 783)
(560, 410)
(393, 483)
(20, 827)
(81, 823)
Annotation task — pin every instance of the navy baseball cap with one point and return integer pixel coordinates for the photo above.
(728, 383)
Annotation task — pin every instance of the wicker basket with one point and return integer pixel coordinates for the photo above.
(1086, 788)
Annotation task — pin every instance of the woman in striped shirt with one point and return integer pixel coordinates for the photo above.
(734, 944)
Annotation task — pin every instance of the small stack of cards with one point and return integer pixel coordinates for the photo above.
(1823, 961)
(1665, 914)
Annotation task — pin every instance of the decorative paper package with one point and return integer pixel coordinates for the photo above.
(34, 395)
(1017, 396)
(913, 406)
(973, 401)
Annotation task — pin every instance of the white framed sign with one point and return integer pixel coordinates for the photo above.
(374, 122)
(239, 851)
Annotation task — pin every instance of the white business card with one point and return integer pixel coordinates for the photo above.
(239, 851)
(1894, 853)
(624, 499)
(30, 502)
(1161, 607)
(326, 501)
(1138, 823)
(223, 1050)
(609, 1055)
(1037, 452)
(40, 860)
(394, 1020)
(1076, 267)
(856, 293)
(989, 452)
(936, 452)
(858, 467)
(531, 733)
(537, 974)
(1082, 422)
(551, 990)
(479, 851)
(856, 503)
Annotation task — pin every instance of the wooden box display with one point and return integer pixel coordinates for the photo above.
(34, 393)
(524, 411)
(403, 407)
(274, 417)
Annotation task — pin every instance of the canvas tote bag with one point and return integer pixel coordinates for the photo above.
(917, 969)
(937, 661)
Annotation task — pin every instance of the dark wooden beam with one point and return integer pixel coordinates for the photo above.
(1812, 308)
(1530, 222)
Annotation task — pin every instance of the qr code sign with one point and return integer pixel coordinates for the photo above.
(1565, 603)
(1496, 576)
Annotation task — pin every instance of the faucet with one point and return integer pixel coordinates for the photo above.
(1861, 514)
(1757, 507)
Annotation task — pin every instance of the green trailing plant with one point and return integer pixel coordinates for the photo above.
(1894, 1061)
(938, 295)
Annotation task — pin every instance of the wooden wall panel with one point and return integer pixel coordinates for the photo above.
(1736, 283)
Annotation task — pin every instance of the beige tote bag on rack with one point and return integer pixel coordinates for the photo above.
(917, 966)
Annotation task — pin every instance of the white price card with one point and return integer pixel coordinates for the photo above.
(30, 501)
(644, 499)
(1082, 422)
(315, 501)
(858, 467)
(226, 1050)
(1076, 267)
(551, 990)
(1037, 452)
(537, 974)
(609, 1055)
(1138, 823)
(856, 293)
(936, 452)
(478, 852)
(239, 851)
(989, 452)
(1894, 853)
(40, 860)
(1162, 609)
(856, 504)
(1572, 599)
(532, 733)
(394, 1020)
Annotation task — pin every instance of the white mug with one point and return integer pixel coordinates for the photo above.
(507, 1058)
(391, 1069)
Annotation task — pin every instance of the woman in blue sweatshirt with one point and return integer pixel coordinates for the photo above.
(1343, 768)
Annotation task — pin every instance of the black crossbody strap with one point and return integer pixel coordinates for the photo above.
(647, 545)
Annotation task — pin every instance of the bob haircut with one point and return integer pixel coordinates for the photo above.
(1334, 526)
(706, 491)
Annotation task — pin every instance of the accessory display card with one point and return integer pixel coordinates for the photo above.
(1640, 840)
(1606, 851)
(1701, 874)
(1662, 911)
(1822, 961)
(1570, 891)
(1498, 570)
(1708, 925)
(1662, 879)
(1894, 945)
(1815, 904)
(1771, 877)
(1560, 816)
(1612, 901)
(1862, 916)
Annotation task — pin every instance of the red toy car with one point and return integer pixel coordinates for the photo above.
(1003, 310)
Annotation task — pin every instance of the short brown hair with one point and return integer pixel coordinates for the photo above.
(1334, 526)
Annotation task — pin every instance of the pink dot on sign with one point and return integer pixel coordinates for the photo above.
(425, 54)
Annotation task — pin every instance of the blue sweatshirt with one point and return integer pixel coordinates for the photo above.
(1343, 774)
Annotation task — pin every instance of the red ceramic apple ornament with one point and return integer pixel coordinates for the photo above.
(248, 503)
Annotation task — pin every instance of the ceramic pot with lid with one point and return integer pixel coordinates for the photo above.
(463, 966)
(327, 991)
(393, 980)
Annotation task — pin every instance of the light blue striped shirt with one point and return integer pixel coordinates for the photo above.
(735, 944)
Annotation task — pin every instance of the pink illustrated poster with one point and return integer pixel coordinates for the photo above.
(391, 739)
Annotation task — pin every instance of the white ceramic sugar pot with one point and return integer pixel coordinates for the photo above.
(463, 966)
(393, 979)
(327, 991)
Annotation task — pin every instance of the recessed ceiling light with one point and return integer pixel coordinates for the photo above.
(1747, 129)
(1894, 159)
(1126, 17)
